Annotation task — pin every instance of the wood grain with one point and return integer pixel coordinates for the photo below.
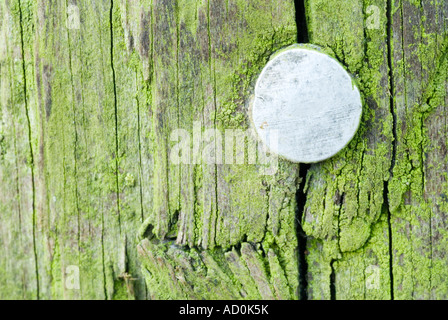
(86, 115)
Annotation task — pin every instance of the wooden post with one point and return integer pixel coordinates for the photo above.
(93, 207)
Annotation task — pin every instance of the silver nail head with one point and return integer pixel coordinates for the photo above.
(308, 102)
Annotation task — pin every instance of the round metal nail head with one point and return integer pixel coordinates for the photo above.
(308, 102)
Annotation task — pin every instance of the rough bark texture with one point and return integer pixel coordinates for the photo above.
(86, 180)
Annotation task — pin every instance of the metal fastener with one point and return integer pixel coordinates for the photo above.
(309, 101)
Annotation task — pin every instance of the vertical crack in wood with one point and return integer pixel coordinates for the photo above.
(301, 21)
(33, 184)
(332, 281)
(394, 144)
(117, 182)
(301, 236)
(302, 37)
(213, 78)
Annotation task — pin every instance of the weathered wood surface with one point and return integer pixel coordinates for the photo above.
(383, 200)
(86, 116)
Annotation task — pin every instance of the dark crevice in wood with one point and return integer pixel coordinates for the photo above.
(215, 113)
(302, 37)
(33, 183)
(115, 110)
(301, 236)
(332, 281)
(386, 209)
(340, 203)
(302, 27)
(394, 145)
(268, 201)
